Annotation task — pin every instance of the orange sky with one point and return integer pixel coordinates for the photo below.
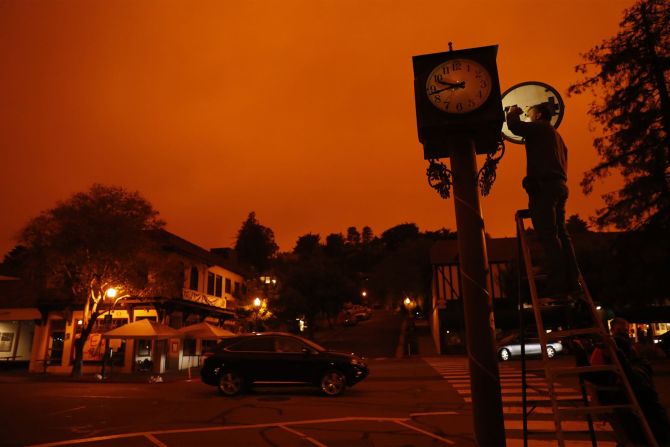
(299, 110)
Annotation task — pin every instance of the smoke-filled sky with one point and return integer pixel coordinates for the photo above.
(299, 110)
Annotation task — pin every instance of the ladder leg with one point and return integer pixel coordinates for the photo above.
(581, 305)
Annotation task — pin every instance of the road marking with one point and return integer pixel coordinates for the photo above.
(225, 428)
(433, 413)
(68, 410)
(458, 376)
(153, 439)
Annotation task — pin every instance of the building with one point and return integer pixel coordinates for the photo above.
(44, 338)
(447, 318)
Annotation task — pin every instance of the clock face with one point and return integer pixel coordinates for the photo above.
(458, 86)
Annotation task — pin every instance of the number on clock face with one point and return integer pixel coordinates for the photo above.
(458, 86)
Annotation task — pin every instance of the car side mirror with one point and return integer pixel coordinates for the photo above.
(306, 351)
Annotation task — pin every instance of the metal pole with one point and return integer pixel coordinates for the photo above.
(478, 309)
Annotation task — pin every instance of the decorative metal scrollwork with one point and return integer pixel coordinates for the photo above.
(439, 177)
(487, 174)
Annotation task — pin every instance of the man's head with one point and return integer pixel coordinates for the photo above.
(540, 112)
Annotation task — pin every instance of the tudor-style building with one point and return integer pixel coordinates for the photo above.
(211, 289)
(447, 317)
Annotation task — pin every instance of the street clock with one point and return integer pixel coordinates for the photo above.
(457, 98)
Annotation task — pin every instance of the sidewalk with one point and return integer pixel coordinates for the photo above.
(22, 375)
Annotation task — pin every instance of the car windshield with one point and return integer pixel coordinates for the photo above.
(312, 344)
(515, 339)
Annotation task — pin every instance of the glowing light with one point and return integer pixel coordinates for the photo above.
(257, 302)
(111, 292)
(407, 301)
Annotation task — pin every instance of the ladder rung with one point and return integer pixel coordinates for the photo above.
(555, 335)
(594, 409)
(524, 214)
(562, 370)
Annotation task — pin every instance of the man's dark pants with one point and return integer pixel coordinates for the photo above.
(546, 202)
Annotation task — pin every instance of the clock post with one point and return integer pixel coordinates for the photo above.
(459, 115)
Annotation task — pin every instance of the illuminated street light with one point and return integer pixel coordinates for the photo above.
(257, 306)
(111, 292)
(407, 301)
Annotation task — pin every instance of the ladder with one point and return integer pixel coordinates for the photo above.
(591, 329)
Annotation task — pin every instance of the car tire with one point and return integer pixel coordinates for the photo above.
(230, 383)
(551, 352)
(504, 355)
(333, 383)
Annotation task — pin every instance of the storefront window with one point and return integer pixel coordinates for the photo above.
(143, 348)
(189, 347)
(6, 339)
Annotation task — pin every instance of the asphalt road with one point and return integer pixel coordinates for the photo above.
(373, 338)
(404, 402)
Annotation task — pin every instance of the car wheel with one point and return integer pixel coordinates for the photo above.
(504, 355)
(230, 383)
(551, 352)
(333, 383)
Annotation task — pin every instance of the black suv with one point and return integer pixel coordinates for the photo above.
(278, 357)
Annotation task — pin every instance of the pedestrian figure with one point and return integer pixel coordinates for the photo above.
(640, 377)
(546, 185)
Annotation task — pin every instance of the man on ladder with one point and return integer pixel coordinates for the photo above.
(546, 185)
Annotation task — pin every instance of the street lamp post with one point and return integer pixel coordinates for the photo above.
(257, 308)
(111, 293)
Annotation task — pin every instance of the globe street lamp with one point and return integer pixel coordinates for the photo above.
(257, 308)
(113, 294)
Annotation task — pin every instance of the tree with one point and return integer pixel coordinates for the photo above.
(395, 236)
(87, 244)
(13, 262)
(353, 236)
(367, 235)
(309, 287)
(334, 244)
(308, 245)
(630, 73)
(255, 244)
(576, 224)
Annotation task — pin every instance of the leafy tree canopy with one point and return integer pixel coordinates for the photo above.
(255, 244)
(308, 245)
(394, 236)
(576, 224)
(629, 73)
(95, 240)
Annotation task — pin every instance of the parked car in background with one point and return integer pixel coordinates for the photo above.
(510, 346)
(239, 362)
(361, 312)
(349, 319)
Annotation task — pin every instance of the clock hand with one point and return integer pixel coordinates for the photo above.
(453, 84)
(451, 87)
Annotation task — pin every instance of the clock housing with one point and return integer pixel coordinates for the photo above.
(469, 79)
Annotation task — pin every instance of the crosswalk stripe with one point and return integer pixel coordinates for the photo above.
(540, 418)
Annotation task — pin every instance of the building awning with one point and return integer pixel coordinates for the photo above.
(20, 314)
(205, 331)
(144, 329)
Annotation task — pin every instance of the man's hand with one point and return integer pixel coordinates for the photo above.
(514, 111)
